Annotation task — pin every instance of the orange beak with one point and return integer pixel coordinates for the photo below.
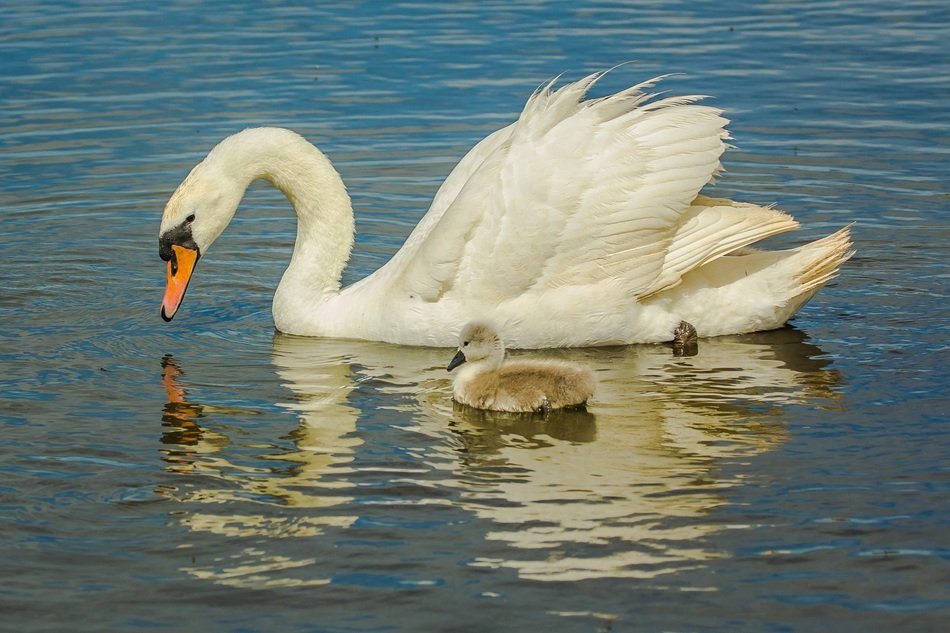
(180, 267)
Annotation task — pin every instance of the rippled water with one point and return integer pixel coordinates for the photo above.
(211, 475)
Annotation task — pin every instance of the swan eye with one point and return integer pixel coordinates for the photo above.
(465, 344)
(190, 218)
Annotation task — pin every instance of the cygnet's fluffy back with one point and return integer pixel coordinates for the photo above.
(488, 382)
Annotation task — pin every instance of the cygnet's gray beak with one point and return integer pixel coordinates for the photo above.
(457, 360)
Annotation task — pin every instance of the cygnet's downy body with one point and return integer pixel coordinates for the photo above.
(487, 381)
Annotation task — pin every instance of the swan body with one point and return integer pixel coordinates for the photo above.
(585, 210)
(488, 381)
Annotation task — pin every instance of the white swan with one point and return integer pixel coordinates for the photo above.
(489, 382)
(586, 211)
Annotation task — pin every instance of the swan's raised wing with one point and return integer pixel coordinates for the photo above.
(573, 193)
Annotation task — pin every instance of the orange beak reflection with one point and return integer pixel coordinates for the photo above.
(180, 267)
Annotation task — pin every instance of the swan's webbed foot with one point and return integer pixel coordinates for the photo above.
(545, 407)
(685, 340)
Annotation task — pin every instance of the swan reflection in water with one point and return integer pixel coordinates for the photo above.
(620, 490)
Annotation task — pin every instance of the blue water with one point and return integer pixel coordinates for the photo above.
(211, 475)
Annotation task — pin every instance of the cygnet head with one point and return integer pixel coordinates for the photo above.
(478, 341)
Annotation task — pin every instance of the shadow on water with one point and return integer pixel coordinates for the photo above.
(624, 489)
(494, 428)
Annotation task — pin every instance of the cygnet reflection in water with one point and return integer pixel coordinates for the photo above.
(488, 382)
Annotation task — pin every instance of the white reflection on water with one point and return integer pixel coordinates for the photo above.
(623, 490)
(629, 491)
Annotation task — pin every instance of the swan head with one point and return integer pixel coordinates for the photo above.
(478, 341)
(194, 217)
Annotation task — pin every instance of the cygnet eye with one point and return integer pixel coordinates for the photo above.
(465, 344)
(190, 218)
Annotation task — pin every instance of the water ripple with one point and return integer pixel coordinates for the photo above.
(783, 479)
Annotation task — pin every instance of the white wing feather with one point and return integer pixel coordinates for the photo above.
(574, 192)
(711, 228)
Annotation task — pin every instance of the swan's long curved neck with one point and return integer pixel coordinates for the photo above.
(324, 213)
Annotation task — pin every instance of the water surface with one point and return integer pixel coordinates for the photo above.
(210, 474)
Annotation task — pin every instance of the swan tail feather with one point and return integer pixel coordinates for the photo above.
(822, 259)
(752, 290)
